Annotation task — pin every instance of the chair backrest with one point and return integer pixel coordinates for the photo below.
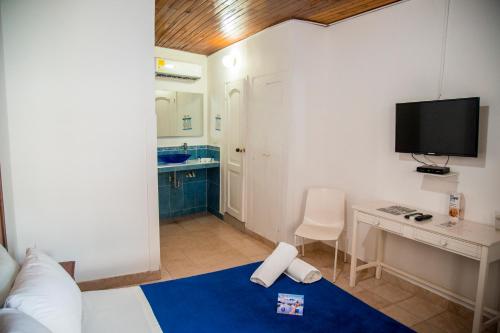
(325, 206)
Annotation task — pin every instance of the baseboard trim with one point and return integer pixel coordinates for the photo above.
(120, 281)
(234, 222)
(260, 238)
(438, 291)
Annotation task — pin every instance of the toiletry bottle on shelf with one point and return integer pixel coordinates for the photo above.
(456, 210)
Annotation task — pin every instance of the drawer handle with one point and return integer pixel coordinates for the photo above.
(377, 223)
(443, 242)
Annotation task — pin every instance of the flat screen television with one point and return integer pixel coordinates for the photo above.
(442, 127)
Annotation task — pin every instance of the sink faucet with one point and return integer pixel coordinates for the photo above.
(185, 146)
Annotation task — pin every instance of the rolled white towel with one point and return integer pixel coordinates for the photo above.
(274, 265)
(301, 271)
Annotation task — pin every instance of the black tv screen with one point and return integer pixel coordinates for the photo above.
(443, 127)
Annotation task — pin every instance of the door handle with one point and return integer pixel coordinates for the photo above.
(240, 150)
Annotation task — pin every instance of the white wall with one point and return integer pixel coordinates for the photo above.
(198, 86)
(389, 56)
(80, 106)
(346, 80)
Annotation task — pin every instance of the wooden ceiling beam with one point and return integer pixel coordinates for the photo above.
(207, 26)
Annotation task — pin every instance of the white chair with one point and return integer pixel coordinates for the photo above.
(323, 219)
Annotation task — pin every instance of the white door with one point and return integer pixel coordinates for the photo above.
(235, 152)
(267, 132)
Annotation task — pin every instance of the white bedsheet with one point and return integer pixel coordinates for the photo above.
(124, 310)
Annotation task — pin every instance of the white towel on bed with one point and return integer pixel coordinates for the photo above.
(301, 271)
(274, 265)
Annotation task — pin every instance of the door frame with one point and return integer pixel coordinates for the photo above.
(284, 77)
(244, 204)
(3, 234)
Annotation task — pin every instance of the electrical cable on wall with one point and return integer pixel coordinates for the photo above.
(443, 49)
(431, 161)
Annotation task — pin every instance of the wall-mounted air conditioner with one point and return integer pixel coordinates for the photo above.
(178, 70)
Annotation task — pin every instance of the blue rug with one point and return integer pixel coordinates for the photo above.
(226, 301)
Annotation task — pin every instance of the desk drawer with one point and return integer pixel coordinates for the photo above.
(391, 226)
(370, 219)
(461, 247)
(380, 223)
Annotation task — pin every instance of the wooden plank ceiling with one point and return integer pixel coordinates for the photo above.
(206, 26)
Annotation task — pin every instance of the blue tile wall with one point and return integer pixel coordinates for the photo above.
(193, 195)
(213, 190)
(199, 151)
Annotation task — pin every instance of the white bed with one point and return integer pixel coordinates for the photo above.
(124, 310)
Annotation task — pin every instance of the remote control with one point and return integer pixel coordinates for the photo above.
(408, 216)
(423, 217)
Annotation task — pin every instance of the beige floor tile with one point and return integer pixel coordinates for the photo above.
(165, 275)
(401, 315)
(451, 323)
(433, 298)
(172, 254)
(343, 283)
(425, 327)
(181, 268)
(421, 308)
(318, 258)
(371, 283)
(372, 299)
(391, 293)
(461, 311)
(261, 257)
(255, 250)
(231, 256)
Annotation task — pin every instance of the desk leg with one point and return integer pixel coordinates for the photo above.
(380, 252)
(354, 258)
(481, 283)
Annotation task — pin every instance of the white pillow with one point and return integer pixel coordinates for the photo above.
(46, 292)
(14, 321)
(8, 271)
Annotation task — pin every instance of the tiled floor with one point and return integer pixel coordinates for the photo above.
(205, 244)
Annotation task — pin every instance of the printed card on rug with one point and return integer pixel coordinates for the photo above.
(290, 304)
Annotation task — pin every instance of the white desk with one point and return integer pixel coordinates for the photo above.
(473, 240)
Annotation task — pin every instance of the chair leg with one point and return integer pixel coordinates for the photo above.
(345, 247)
(335, 261)
(303, 251)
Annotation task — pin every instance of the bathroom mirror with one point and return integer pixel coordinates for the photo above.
(178, 113)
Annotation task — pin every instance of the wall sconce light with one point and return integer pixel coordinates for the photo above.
(229, 61)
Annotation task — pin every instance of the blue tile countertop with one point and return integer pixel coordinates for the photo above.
(200, 151)
(188, 165)
(193, 163)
